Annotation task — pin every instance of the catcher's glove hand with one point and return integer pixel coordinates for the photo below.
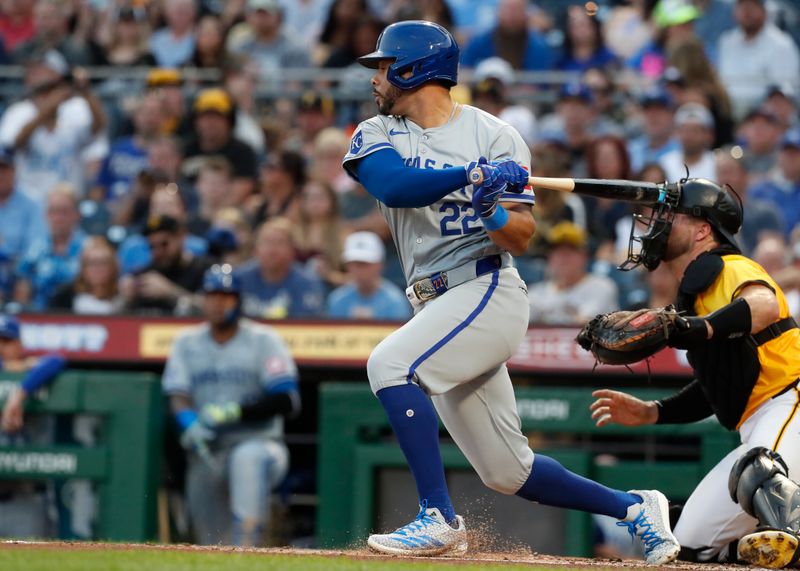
(625, 337)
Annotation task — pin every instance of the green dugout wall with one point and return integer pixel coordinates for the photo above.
(124, 464)
(354, 447)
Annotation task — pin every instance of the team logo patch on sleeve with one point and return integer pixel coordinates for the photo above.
(356, 143)
(276, 366)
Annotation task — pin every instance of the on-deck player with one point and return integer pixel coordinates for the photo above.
(455, 243)
(230, 382)
(745, 352)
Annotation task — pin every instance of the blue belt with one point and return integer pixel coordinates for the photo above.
(435, 285)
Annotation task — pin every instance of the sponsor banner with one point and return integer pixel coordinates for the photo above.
(46, 463)
(333, 342)
(312, 343)
(81, 338)
(553, 349)
(155, 339)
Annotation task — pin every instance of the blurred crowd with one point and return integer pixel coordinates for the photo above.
(142, 141)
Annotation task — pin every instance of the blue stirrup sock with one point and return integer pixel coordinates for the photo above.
(416, 426)
(553, 485)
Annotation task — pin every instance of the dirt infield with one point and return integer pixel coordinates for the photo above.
(517, 557)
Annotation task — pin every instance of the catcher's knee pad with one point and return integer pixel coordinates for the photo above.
(759, 482)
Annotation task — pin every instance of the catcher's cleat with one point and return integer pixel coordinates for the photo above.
(429, 534)
(770, 548)
(649, 521)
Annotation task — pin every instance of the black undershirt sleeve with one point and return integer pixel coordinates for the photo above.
(687, 405)
(267, 406)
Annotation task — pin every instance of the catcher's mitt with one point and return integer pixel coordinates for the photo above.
(625, 337)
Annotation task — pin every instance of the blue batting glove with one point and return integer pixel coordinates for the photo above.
(513, 173)
(488, 193)
(469, 167)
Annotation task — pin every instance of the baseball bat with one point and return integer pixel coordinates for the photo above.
(627, 190)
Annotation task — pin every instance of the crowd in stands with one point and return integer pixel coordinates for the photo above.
(119, 189)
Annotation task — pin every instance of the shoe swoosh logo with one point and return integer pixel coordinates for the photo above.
(392, 132)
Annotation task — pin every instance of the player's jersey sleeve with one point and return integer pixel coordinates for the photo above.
(177, 377)
(738, 273)
(509, 145)
(279, 372)
(370, 136)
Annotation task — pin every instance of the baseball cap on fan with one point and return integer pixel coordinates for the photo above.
(164, 77)
(791, 140)
(55, 61)
(9, 327)
(674, 13)
(567, 233)
(494, 68)
(785, 90)
(213, 100)
(51, 59)
(655, 98)
(265, 5)
(694, 113)
(363, 247)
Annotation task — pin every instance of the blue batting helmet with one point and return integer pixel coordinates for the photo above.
(221, 279)
(425, 49)
(9, 327)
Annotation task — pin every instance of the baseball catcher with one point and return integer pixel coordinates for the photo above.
(744, 348)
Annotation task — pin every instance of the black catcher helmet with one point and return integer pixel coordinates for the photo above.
(704, 199)
(696, 197)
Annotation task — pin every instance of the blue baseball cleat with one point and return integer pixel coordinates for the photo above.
(649, 521)
(429, 534)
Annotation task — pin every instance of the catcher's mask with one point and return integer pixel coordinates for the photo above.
(696, 197)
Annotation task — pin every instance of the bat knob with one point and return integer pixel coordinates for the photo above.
(476, 176)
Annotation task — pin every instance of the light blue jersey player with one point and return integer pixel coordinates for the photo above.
(231, 382)
(471, 307)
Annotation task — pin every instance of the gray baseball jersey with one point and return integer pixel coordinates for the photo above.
(456, 345)
(255, 360)
(448, 233)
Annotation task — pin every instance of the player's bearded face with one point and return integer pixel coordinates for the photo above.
(386, 94)
(680, 238)
(388, 100)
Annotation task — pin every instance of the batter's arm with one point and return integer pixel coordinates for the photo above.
(517, 233)
(387, 178)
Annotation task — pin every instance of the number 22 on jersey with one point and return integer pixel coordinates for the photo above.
(458, 219)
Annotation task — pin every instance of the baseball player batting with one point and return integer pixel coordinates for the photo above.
(231, 381)
(744, 348)
(455, 241)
